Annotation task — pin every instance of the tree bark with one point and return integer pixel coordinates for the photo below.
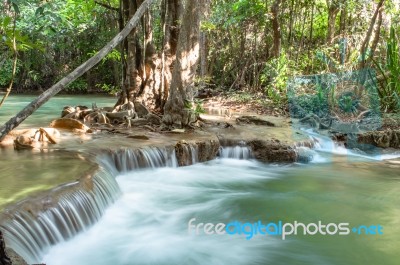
(377, 34)
(203, 49)
(343, 15)
(176, 110)
(365, 43)
(79, 71)
(333, 10)
(173, 15)
(277, 35)
(291, 20)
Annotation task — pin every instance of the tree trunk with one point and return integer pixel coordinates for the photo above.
(377, 34)
(149, 73)
(173, 15)
(333, 10)
(365, 43)
(277, 35)
(343, 15)
(79, 71)
(133, 80)
(291, 20)
(203, 49)
(312, 24)
(176, 110)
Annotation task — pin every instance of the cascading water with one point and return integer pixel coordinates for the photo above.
(236, 152)
(148, 223)
(31, 232)
(126, 159)
(327, 146)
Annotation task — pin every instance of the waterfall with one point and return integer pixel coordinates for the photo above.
(32, 227)
(125, 160)
(236, 152)
(324, 144)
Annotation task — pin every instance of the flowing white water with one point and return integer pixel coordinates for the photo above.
(326, 147)
(125, 160)
(148, 225)
(32, 232)
(237, 152)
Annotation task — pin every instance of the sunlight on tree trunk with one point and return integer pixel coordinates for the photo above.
(176, 111)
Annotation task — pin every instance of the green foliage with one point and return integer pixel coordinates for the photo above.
(79, 86)
(347, 102)
(274, 77)
(390, 90)
(244, 10)
(114, 55)
(108, 88)
(6, 68)
(195, 107)
(7, 34)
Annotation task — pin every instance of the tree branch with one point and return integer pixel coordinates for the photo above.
(107, 6)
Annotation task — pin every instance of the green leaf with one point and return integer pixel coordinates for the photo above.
(39, 11)
(16, 8)
(6, 22)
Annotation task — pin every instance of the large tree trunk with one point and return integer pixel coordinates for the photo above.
(176, 110)
(174, 10)
(79, 71)
(149, 73)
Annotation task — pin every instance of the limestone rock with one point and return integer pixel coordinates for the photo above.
(69, 124)
(188, 153)
(272, 151)
(139, 137)
(254, 120)
(383, 139)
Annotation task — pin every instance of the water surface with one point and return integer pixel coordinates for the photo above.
(50, 110)
(149, 224)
